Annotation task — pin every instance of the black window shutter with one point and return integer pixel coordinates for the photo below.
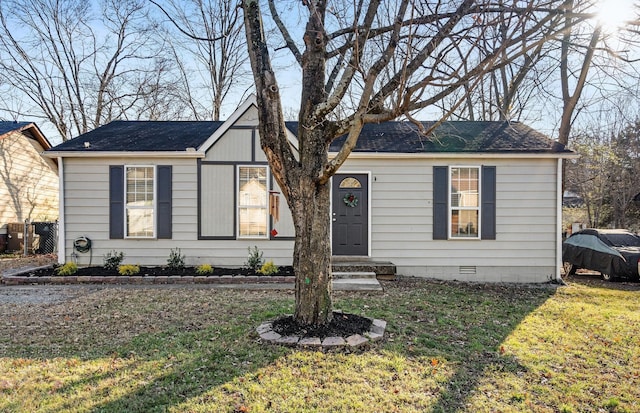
(116, 201)
(488, 196)
(440, 202)
(163, 191)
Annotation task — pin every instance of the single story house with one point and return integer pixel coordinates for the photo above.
(28, 181)
(478, 201)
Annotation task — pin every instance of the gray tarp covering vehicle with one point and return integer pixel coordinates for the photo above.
(614, 253)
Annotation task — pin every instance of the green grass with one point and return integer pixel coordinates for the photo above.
(449, 348)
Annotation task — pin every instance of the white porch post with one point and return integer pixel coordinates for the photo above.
(62, 253)
(559, 221)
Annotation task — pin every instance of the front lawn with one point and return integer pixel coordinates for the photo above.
(449, 347)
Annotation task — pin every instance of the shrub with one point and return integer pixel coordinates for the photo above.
(204, 269)
(254, 261)
(113, 259)
(268, 268)
(128, 269)
(69, 268)
(176, 259)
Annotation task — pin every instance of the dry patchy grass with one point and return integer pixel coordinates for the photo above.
(450, 347)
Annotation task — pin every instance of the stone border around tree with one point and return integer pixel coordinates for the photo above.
(375, 333)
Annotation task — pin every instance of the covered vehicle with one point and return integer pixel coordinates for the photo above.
(614, 253)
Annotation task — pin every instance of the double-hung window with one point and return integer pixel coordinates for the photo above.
(464, 202)
(140, 201)
(464, 211)
(252, 201)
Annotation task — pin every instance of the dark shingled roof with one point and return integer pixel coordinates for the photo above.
(388, 137)
(450, 137)
(130, 136)
(8, 126)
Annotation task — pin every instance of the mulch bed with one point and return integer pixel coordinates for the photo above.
(341, 325)
(284, 271)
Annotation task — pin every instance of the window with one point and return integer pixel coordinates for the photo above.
(140, 201)
(464, 214)
(464, 202)
(133, 202)
(252, 201)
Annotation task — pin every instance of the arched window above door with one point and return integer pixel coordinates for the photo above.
(350, 182)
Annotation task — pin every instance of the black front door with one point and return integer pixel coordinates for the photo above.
(350, 202)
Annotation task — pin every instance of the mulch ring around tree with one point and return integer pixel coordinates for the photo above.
(345, 331)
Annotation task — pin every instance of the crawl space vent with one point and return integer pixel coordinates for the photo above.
(467, 270)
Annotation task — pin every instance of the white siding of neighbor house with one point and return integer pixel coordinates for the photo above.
(27, 176)
(402, 221)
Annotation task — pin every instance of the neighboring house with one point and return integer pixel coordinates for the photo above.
(28, 181)
(479, 201)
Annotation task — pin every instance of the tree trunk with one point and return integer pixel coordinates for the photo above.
(312, 254)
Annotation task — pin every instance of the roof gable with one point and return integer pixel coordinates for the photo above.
(28, 129)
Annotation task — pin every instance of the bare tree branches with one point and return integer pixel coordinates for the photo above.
(75, 77)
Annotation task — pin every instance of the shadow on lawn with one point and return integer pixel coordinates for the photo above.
(225, 355)
(465, 324)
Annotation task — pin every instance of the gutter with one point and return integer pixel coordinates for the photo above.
(458, 155)
(189, 153)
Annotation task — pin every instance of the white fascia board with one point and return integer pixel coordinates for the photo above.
(457, 155)
(115, 154)
(251, 101)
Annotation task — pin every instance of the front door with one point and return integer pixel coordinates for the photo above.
(350, 215)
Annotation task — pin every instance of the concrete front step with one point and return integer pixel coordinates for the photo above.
(347, 264)
(356, 284)
(353, 274)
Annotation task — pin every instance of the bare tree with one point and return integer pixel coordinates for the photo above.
(208, 44)
(623, 171)
(374, 61)
(75, 76)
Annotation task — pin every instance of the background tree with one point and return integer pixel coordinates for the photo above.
(207, 42)
(605, 176)
(363, 62)
(77, 77)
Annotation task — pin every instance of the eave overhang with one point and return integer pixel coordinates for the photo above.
(129, 154)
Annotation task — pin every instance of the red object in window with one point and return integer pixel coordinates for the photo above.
(274, 232)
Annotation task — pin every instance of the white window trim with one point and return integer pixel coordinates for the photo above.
(268, 178)
(154, 205)
(451, 207)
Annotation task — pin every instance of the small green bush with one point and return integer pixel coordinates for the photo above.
(204, 269)
(254, 261)
(268, 268)
(128, 269)
(176, 259)
(112, 260)
(69, 268)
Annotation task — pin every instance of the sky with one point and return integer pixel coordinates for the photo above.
(543, 117)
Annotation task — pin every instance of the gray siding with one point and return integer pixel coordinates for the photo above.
(217, 213)
(402, 220)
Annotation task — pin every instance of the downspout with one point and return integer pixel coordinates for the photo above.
(62, 253)
(559, 179)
